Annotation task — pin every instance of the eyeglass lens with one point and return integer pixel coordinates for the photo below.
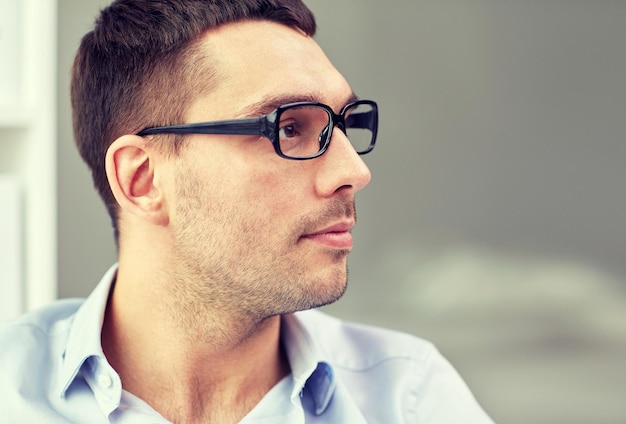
(360, 124)
(304, 130)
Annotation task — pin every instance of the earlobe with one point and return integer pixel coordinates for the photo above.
(130, 168)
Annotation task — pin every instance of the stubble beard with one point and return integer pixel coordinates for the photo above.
(227, 284)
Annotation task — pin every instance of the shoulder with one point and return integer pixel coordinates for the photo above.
(35, 333)
(31, 354)
(354, 345)
(419, 383)
(42, 320)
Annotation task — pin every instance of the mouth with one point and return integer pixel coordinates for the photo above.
(336, 236)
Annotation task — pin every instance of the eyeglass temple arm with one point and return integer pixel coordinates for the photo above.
(249, 126)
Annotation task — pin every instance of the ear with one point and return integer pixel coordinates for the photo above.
(131, 167)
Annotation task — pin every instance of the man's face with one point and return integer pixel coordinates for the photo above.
(250, 230)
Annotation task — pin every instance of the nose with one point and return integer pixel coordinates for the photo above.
(341, 167)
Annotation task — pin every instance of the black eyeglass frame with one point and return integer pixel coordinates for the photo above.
(268, 126)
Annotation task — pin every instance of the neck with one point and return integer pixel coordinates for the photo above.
(214, 370)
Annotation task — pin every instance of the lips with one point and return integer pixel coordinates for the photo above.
(336, 236)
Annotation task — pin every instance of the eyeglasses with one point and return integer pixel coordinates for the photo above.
(297, 130)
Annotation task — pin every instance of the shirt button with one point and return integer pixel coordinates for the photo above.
(104, 380)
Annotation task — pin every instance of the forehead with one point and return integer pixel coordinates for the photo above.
(256, 60)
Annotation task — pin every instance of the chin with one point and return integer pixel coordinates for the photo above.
(306, 291)
(322, 293)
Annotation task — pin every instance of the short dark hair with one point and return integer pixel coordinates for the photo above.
(140, 66)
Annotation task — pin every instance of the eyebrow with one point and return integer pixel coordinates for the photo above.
(269, 103)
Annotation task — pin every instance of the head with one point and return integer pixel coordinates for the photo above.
(242, 227)
(126, 66)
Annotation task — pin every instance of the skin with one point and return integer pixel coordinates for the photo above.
(217, 242)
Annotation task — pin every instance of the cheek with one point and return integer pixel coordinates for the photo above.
(280, 190)
(266, 212)
(258, 191)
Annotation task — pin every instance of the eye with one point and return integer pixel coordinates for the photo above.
(289, 130)
(300, 128)
(292, 137)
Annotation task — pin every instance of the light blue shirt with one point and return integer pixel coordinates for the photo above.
(53, 370)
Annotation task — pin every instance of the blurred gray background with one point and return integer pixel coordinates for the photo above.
(494, 224)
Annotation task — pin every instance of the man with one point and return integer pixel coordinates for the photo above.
(226, 148)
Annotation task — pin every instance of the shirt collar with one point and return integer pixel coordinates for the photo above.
(84, 344)
(309, 365)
